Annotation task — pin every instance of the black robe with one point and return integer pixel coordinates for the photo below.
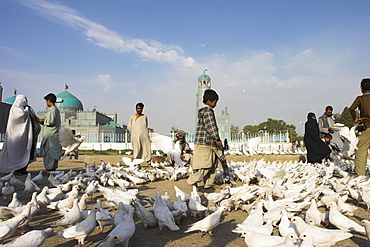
(316, 148)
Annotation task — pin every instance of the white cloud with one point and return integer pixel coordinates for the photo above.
(308, 62)
(102, 37)
(105, 81)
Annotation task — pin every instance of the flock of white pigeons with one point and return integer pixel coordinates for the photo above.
(299, 199)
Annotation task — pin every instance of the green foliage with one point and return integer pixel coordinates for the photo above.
(234, 130)
(271, 126)
(346, 118)
(176, 130)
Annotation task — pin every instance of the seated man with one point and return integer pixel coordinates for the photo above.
(183, 148)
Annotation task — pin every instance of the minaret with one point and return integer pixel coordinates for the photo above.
(204, 83)
(1, 93)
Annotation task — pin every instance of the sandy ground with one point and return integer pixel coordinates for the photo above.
(150, 237)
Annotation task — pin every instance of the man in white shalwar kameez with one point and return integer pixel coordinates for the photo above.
(50, 148)
(138, 127)
(22, 129)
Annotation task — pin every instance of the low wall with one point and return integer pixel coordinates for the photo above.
(113, 159)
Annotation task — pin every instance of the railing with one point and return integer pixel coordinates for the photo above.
(126, 137)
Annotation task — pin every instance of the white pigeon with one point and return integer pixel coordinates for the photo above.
(124, 229)
(163, 214)
(366, 224)
(68, 141)
(321, 236)
(264, 229)
(62, 204)
(91, 188)
(15, 201)
(7, 191)
(207, 224)
(346, 208)
(71, 217)
(307, 239)
(313, 214)
(290, 241)
(147, 217)
(38, 178)
(285, 227)
(56, 194)
(183, 195)
(104, 217)
(341, 221)
(166, 144)
(30, 186)
(258, 239)
(42, 199)
(366, 195)
(110, 241)
(32, 238)
(195, 206)
(8, 228)
(82, 229)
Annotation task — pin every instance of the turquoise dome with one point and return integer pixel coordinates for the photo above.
(68, 102)
(10, 100)
(203, 76)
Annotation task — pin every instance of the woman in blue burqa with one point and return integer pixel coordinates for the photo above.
(316, 148)
(22, 130)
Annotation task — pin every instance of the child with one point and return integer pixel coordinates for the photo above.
(207, 143)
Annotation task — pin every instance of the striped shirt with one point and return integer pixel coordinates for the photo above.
(207, 130)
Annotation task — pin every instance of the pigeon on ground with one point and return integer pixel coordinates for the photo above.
(343, 222)
(163, 214)
(307, 240)
(290, 241)
(42, 199)
(321, 236)
(71, 217)
(62, 204)
(195, 206)
(7, 191)
(147, 217)
(15, 202)
(82, 229)
(207, 224)
(38, 177)
(124, 229)
(8, 228)
(32, 238)
(15, 181)
(313, 214)
(104, 217)
(110, 241)
(184, 196)
(366, 224)
(259, 239)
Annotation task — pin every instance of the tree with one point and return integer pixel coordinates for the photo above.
(234, 130)
(273, 125)
(346, 118)
(176, 130)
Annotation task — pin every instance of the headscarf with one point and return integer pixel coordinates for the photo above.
(19, 136)
(316, 148)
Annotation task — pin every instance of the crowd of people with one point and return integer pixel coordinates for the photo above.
(321, 139)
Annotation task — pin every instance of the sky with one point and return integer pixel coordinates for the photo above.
(266, 59)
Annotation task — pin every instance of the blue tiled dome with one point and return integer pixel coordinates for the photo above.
(203, 76)
(68, 102)
(10, 100)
